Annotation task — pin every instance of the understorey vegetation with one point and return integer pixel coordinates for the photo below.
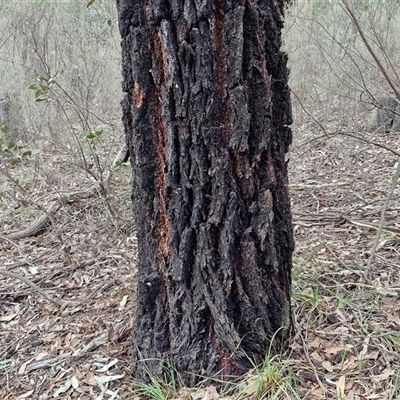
(68, 246)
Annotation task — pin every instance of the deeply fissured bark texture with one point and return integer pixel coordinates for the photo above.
(206, 113)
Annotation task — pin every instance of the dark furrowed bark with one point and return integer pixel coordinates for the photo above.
(206, 114)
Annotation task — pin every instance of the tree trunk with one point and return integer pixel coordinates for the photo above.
(206, 114)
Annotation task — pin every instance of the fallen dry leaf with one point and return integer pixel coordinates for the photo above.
(334, 350)
(6, 318)
(25, 395)
(327, 365)
(383, 376)
(210, 393)
(340, 387)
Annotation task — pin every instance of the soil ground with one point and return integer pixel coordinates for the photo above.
(346, 318)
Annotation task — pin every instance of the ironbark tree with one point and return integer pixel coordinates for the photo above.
(206, 114)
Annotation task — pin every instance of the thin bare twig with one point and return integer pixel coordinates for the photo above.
(375, 340)
(34, 286)
(369, 141)
(321, 385)
(42, 292)
(371, 258)
(350, 11)
(25, 258)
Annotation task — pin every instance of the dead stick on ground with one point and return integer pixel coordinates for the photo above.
(5, 238)
(321, 385)
(371, 258)
(391, 229)
(37, 225)
(320, 220)
(316, 187)
(61, 303)
(36, 287)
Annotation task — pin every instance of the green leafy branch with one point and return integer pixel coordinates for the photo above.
(41, 88)
(14, 152)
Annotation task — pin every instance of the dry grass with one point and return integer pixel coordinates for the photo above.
(344, 319)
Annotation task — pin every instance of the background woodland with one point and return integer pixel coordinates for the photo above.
(67, 238)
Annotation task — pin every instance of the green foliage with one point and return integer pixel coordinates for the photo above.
(5, 363)
(90, 135)
(312, 297)
(41, 89)
(158, 388)
(273, 382)
(272, 379)
(4, 127)
(14, 152)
